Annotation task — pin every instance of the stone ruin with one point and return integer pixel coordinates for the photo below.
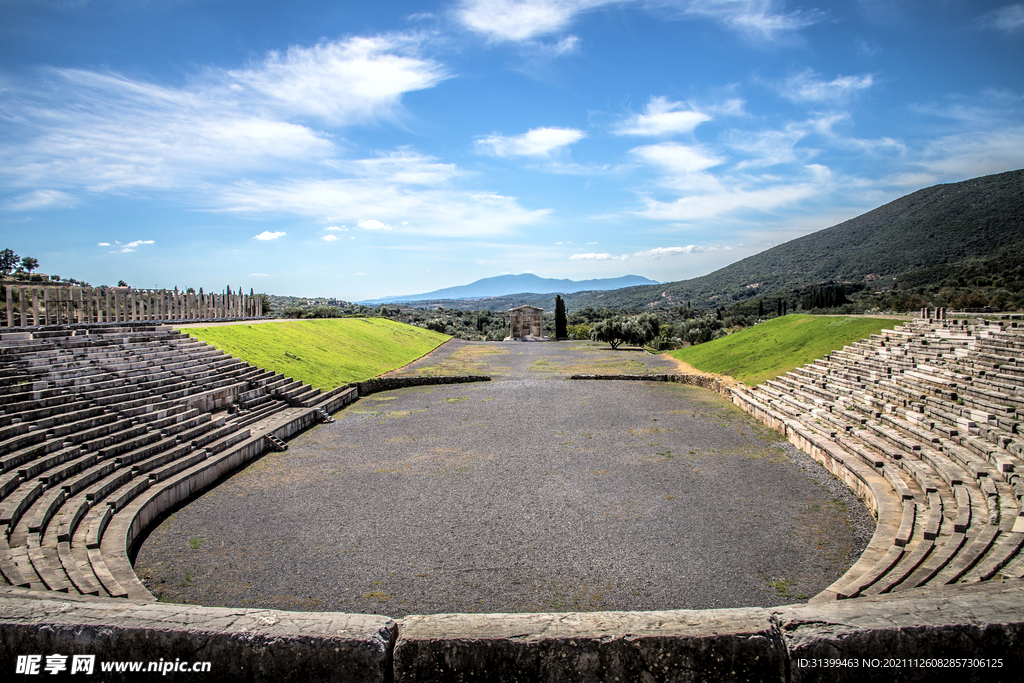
(104, 427)
(32, 305)
(526, 323)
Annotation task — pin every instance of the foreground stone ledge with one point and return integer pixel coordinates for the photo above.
(679, 645)
(981, 621)
(241, 644)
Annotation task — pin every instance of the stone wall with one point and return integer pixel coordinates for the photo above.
(372, 386)
(722, 385)
(912, 636)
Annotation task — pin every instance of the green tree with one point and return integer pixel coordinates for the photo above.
(8, 261)
(560, 320)
(637, 330)
(29, 263)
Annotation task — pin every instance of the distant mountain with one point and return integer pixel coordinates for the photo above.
(504, 285)
(931, 237)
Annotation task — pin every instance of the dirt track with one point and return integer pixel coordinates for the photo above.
(528, 493)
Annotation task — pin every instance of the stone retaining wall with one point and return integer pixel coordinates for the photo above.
(372, 386)
(721, 385)
(912, 636)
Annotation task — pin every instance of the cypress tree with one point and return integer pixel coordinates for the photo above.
(561, 331)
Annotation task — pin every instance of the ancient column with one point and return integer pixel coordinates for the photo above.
(58, 319)
(80, 313)
(10, 306)
(35, 306)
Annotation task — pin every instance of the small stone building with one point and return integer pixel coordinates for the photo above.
(526, 322)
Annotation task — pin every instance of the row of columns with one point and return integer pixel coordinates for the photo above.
(936, 313)
(57, 305)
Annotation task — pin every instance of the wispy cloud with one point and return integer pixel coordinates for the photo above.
(1009, 19)
(266, 236)
(407, 192)
(100, 131)
(373, 224)
(755, 19)
(809, 87)
(662, 118)
(598, 257)
(39, 199)
(677, 159)
(329, 238)
(526, 20)
(521, 20)
(659, 252)
(125, 248)
(537, 142)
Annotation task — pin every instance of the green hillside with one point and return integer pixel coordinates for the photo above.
(922, 238)
(775, 347)
(324, 353)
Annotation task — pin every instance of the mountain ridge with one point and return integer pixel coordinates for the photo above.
(504, 285)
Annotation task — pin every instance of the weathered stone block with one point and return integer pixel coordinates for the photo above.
(241, 644)
(682, 645)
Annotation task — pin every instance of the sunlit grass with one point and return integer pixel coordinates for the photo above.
(775, 347)
(324, 353)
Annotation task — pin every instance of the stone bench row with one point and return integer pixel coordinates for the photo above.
(940, 480)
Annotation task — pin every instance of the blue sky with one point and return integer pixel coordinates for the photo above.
(368, 149)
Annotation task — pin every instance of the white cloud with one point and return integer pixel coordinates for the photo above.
(373, 224)
(126, 248)
(658, 252)
(537, 142)
(337, 228)
(1009, 18)
(598, 257)
(769, 147)
(525, 20)
(662, 118)
(267, 235)
(967, 155)
(329, 238)
(808, 87)
(521, 20)
(727, 200)
(39, 199)
(386, 189)
(259, 275)
(755, 19)
(100, 131)
(676, 158)
(342, 81)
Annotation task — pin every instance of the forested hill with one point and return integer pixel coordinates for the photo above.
(918, 238)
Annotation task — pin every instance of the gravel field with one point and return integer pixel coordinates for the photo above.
(527, 493)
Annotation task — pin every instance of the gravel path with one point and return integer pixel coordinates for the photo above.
(528, 493)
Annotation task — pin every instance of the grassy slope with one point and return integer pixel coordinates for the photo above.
(775, 347)
(324, 353)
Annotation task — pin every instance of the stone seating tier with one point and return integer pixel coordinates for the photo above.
(94, 418)
(927, 412)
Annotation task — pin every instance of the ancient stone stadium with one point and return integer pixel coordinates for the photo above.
(105, 425)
